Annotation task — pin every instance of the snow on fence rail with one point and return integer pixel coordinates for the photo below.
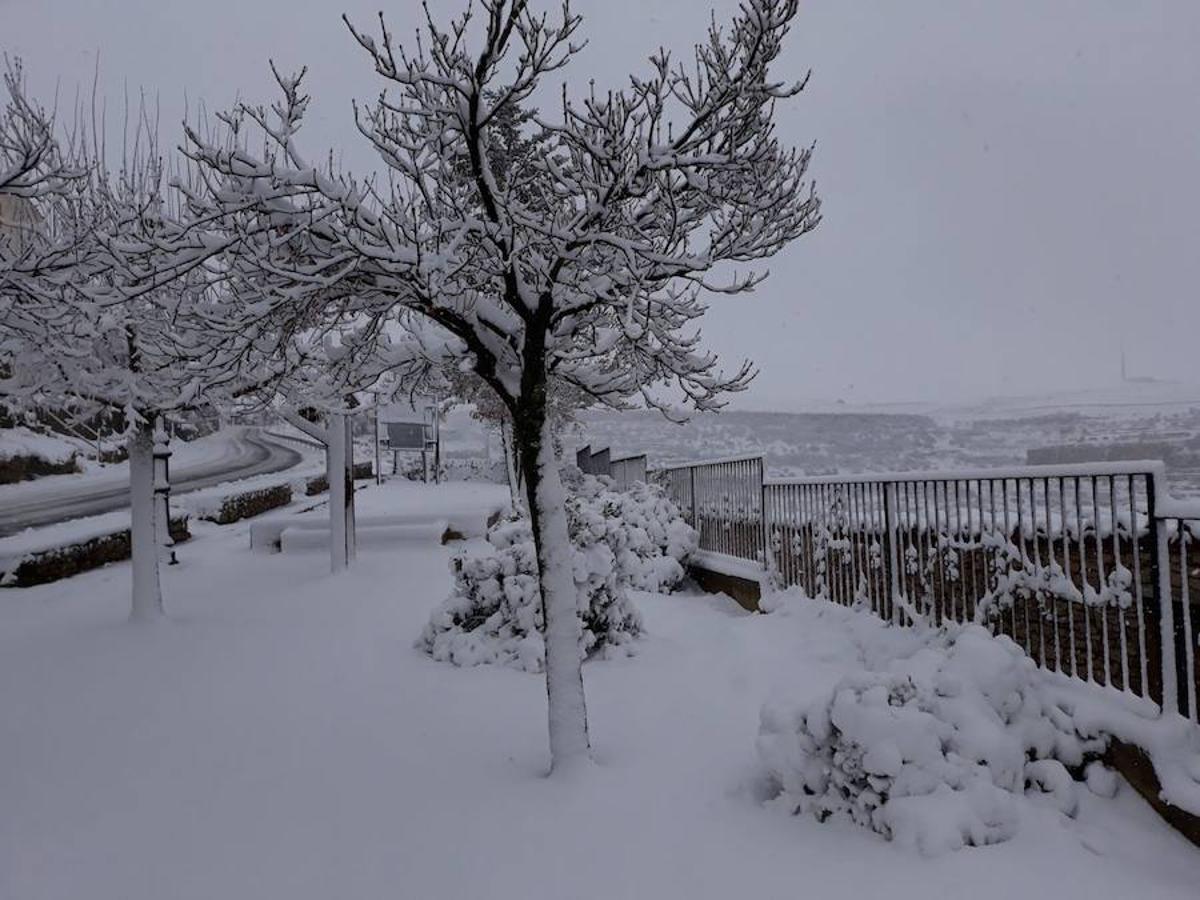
(1089, 568)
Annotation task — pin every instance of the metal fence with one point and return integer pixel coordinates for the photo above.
(1089, 568)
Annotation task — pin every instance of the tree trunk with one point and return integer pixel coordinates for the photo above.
(563, 630)
(335, 473)
(147, 595)
(510, 465)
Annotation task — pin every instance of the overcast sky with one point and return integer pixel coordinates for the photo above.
(1010, 188)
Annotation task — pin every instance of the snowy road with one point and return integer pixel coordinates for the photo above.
(209, 461)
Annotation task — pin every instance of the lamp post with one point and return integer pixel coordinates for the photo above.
(162, 488)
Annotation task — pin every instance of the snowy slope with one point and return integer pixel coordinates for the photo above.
(21, 441)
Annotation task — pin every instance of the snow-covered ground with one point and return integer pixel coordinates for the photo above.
(280, 737)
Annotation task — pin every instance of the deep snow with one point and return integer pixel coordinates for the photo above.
(278, 736)
(22, 441)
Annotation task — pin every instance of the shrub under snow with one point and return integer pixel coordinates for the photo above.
(622, 540)
(933, 751)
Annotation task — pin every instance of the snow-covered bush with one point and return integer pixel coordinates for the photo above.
(641, 526)
(244, 504)
(934, 749)
(626, 540)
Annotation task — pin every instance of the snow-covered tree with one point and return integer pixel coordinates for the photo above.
(33, 160)
(35, 168)
(586, 264)
(81, 336)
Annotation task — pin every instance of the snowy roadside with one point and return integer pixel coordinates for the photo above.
(16, 547)
(212, 448)
(278, 736)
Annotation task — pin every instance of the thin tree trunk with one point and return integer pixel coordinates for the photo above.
(147, 594)
(335, 472)
(560, 596)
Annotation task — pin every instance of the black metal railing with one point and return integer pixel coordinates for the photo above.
(1088, 568)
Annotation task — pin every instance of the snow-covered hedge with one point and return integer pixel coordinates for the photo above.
(244, 504)
(622, 540)
(473, 468)
(85, 544)
(934, 748)
(454, 468)
(319, 484)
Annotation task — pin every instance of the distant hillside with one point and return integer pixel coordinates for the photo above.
(797, 443)
(854, 442)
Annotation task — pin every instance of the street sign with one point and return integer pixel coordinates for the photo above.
(407, 436)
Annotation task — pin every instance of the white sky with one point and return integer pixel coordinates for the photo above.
(1010, 187)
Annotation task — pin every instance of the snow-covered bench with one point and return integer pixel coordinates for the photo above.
(294, 532)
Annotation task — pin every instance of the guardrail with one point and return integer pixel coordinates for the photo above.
(293, 438)
(1089, 568)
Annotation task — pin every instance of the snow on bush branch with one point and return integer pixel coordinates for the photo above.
(935, 749)
(621, 540)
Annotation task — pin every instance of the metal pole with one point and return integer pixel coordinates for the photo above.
(1160, 568)
(692, 476)
(889, 502)
(378, 462)
(351, 533)
(437, 443)
(162, 488)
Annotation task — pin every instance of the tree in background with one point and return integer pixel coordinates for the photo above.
(585, 265)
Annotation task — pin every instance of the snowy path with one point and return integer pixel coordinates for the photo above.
(279, 737)
(228, 455)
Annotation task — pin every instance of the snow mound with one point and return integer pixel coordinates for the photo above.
(622, 540)
(934, 749)
(22, 441)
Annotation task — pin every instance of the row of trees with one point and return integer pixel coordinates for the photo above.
(541, 259)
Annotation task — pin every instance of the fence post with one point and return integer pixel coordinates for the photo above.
(762, 512)
(768, 557)
(890, 537)
(1160, 567)
(695, 513)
